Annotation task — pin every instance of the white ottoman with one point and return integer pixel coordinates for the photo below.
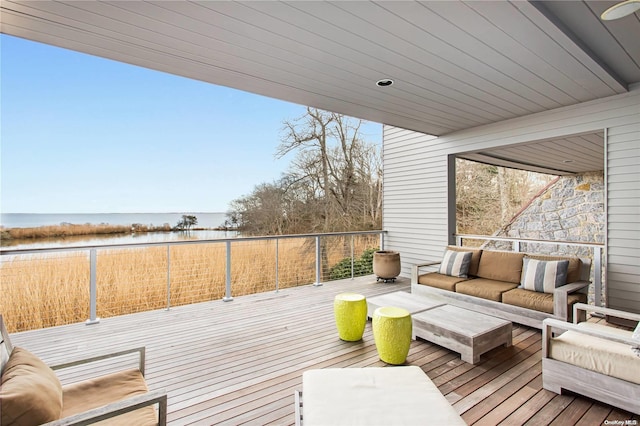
(382, 396)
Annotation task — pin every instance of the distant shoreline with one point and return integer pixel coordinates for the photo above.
(34, 220)
(72, 230)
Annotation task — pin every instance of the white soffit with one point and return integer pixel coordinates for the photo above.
(456, 65)
(558, 156)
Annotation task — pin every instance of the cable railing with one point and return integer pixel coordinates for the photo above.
(45, 287)
(593, 251)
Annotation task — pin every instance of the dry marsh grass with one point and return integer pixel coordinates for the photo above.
(38, 291)
(69, 230)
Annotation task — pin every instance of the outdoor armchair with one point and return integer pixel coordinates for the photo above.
(592, 359)
(31, 393)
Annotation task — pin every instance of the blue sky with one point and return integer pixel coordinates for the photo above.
(82, 134)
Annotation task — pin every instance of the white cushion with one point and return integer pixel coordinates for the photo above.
(374, 396)
(543, 276)
(597, 354)
(455, 263)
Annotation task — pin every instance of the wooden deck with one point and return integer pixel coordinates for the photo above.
(239, 362)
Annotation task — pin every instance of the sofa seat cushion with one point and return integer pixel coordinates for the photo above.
(444, 282)
(501, 266)
(596, 354)
(538, 301)
(486, 289)
(401, 395)
(88, 394)
(30, 392)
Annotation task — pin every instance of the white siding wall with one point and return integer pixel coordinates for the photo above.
(416, 185)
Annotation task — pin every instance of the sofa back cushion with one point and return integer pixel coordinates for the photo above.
(475, 258)
(501, 266)
(30, 392)
(573, 271)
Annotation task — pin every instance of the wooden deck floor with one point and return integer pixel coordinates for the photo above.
(239, 362)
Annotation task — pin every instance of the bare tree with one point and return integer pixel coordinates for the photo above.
(333, 182)
(186, 222)
(332, 157)
(488, 197)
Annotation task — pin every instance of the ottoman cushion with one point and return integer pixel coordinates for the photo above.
(374, 396)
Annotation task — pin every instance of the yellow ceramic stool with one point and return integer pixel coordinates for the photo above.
(392, 334)
(350, 310)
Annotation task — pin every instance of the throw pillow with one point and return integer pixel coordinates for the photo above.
(636, 338)
(31, 393)
(455, 263)
(543, 276)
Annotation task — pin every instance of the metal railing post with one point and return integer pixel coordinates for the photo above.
(516, 246)
(382, 241)
(168, 276)
(352, 257)
(597, 276)
(277, 247)
(93, 288)
(227, 295)
(318, 262)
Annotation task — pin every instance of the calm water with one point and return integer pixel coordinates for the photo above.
(205, 220)
(30, 220)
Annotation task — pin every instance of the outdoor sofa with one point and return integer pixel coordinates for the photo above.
(493, 282)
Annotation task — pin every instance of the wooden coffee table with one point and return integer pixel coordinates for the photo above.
(467, 332)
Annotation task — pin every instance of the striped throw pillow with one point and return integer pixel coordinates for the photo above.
(455, 263)
(543, 276)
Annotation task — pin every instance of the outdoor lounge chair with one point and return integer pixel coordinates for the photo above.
(31, 393)
(592, 359)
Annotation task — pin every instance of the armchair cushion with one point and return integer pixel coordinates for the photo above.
(597, 354)
(93, 393)
(636, 337)
(543, 276)
(31, 393)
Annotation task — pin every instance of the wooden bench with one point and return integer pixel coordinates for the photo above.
(31, 392)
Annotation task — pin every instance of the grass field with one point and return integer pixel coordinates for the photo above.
(51, 289)
(69, 230)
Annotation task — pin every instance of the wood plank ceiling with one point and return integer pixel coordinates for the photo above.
(455, 65)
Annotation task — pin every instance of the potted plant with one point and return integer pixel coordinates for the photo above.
(386, 265)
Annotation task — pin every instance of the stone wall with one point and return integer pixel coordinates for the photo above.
(571, 209)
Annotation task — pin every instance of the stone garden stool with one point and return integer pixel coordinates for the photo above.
(350, 310)
(392, 334)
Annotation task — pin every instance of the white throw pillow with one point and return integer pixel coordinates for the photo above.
(455, 263)
(543, 276)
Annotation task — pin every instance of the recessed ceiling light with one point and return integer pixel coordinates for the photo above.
(620, 10)
(567, 161)
(384, 82)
